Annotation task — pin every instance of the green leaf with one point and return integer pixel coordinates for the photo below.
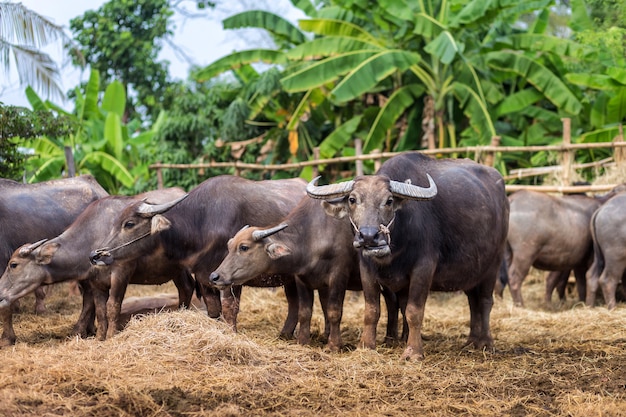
(90, 109)
(595, 81)
(333, 27)
(338, 139)
(265, 20)
(616, 108)
(598, 110)
(444, 47)
(237, 59)
(618, 74)
(329, 46)
(371, 71)
(49, 169)
(539, 76)
(401, 100)
(114, 99)
(552, 44)
(518, 101)
(111, 165)
(472, 11)
(35, 101)
(306, 6)
(113, 134)
(427, 26)
(580, 20)
(324, 71)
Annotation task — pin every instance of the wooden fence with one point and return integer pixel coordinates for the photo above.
(482, 154)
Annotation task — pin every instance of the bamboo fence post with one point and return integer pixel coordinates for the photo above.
(159, 177)
(376, 156)
(618, 153)
(316, 156)
(490, 155)
(358, 149)
(566, 155)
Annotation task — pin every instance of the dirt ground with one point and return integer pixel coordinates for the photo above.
(562, 359)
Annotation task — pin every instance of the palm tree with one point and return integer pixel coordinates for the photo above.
(23, 34)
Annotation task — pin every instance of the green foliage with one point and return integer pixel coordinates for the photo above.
(100, 141)
(122, 40)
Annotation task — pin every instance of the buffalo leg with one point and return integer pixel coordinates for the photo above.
(609, 279)
(85, 325)
(291, 292)
(581, 283)
(100, 299)
(371, 295)
(480, 299)
(305, 311)
(517, 273)
(592, 276)
(335, 295)
(324, 296)
(185, 284)
(40, 305)
(212, 300)
(558, 280)
(391, 303)
(230, 305)
(414, 313)
(119, 284)
(8, 333)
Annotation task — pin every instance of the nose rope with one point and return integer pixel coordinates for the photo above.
(381, 228)
(99, 251)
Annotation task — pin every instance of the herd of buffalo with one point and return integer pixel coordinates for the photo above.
(418, 225)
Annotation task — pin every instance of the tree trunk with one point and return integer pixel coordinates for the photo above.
(428, 123)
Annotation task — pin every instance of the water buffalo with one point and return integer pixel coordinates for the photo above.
(67, 257)
(550, 233)
(424, 224)
(195, 232)
(317, 249)
(608, 230)
(31, 212)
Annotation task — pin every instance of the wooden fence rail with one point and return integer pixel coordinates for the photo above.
(484, 154)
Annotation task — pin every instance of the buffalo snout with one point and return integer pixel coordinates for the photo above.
(218, 281)
(100, 257)
(369, 236)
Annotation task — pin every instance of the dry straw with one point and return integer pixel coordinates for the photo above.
(558, 360)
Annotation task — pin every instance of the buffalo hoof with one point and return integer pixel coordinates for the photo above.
(411, 354)
(6, 342)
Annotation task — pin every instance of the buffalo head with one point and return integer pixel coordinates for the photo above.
(370, 202)
(136, 222)
(250, 254)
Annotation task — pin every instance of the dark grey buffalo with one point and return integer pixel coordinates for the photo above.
(550, 233)
(66, 257)
(314, 247)
(424, 224)
(195, 232)
(31, 212)
(608, 229)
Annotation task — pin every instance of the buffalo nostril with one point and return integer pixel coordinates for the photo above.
(214, 277)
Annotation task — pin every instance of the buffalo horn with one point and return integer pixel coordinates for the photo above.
(262, 234)
(327, 192)
(26, 250)
(153, 209)
(414, 192)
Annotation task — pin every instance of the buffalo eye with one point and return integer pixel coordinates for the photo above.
(243, 248)
(352, 200)
(129, 224)
(389, 201)
(13, 265)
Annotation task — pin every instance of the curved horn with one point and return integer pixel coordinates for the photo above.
(327, 192)
(26, 250)
(152, 209)
(414, 192)
(262, 234)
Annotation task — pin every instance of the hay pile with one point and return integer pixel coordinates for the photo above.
(564, 360)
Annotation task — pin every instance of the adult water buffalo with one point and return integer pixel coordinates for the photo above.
(31, 212)
(424, 224)
(550, 233)
(67, 257)
(317, 249)
(195, 232)
(608, 230)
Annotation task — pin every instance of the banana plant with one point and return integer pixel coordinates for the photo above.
(100, 142)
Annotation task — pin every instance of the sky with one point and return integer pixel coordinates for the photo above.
(202, 39)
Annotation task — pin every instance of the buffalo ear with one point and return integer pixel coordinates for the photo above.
(46, 252)
(159, 224)
(335, 208)
(276, 250)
